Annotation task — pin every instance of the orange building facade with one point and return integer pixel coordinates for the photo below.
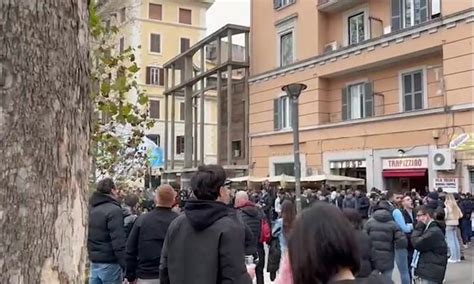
(390, 85)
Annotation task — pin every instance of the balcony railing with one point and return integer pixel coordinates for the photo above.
(331, 6)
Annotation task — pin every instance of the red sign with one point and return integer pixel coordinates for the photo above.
(405, 163)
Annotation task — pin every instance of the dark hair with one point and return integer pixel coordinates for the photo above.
(131, 200)
(288, 214)
(105, 186)
(423, 209)
(207, 181)
(354, 217)
(322, 242)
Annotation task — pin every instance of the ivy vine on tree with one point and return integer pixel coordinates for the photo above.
(120, 115)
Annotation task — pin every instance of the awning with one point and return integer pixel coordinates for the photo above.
(405, 173)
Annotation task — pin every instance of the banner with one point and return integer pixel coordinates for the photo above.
(450, 185)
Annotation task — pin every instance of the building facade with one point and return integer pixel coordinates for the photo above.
(159, 30)
(390, 85)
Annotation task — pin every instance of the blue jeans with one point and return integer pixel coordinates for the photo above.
(105, 273)
(453, 243)
(401, 258)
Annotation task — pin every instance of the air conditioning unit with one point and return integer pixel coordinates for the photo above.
(443, 160)
(330, 47)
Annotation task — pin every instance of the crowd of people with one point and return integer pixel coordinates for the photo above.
(212, 234)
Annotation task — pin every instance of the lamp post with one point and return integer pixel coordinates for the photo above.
(293, 91)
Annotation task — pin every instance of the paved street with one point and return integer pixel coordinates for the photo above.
(459, 273)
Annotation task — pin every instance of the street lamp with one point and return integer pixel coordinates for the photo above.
(293, 91)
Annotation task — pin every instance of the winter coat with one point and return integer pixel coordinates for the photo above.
(433, 250)
(365, 248)
(205, 245)
(274, 255)
(145, 243)
(363, 204)
(252, 217)
(128, 219)
(106, 238)
(385, 236)
(349, 203)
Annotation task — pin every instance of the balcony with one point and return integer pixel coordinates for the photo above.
(333, 6)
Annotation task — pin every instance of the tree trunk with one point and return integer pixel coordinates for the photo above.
(44, 140)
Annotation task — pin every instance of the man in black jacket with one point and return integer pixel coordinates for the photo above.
(106, 239)
(431, 255)
(252, 217)
(146, 239)
(205, 245)
(363, 204)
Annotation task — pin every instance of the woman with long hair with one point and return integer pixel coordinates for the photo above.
(453, 214)
(322, 249)
(364, 242)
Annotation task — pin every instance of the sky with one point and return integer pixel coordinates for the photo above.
(223, 12)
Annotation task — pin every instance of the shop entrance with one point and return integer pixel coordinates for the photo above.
(406, 180)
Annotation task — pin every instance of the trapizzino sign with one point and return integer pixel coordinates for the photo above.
(405, 163)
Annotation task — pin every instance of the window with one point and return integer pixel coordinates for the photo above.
(413, 90)
(185, 16)
(286, 48)
(356, 28)
(407, 13)
(121, 44)
(284, 168)
(277, 4)
(282, 113)
(357, 101)
(122, 15)
(154, 76)
(154, 109)
(184, 43)
(179, 145)
(155, 43)
(181, 111)
(155, 138)
(236, 149)
(155, 11)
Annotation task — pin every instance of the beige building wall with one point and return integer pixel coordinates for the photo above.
(136, 31)
(441, 48)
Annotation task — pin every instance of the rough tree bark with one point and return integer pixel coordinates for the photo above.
(44, 140)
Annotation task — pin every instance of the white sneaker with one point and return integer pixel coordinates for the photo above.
(465, 246)
(452, 261)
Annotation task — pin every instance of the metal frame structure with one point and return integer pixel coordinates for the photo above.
(192, 77)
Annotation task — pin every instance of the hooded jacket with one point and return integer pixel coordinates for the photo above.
(252, 217)
(106, 238)
(433, 250)
(385, 236)
(205, 245)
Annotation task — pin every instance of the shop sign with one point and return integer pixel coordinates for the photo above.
(405, 163)
(347, 164)
(463, 142)
(447, 184)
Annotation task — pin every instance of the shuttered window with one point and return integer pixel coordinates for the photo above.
(154, 76)
(155, 138)
(155, 11)
(179, 145)
(184, 43)
(181, 111)
(357, 101)
(122, 15)
(155, 109)
(121, 44)
(408, 13)
(413, 90)
(155, 43)
(282, 113)
(185, 16)
(277, 4)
